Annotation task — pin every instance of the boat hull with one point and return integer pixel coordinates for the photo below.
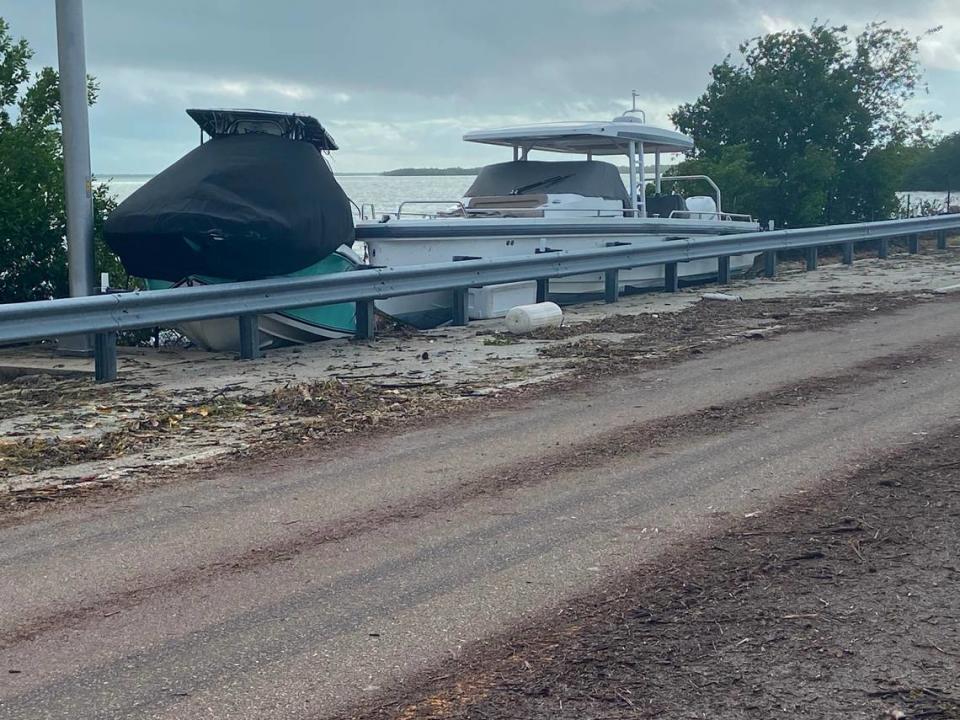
(290, 327)
(422, 242)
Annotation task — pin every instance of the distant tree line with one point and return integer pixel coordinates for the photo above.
(935, 166)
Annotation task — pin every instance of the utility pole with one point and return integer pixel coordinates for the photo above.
(76, 153)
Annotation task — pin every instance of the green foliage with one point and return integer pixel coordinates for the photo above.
(813, 122)
(935, 166)
(33, 254)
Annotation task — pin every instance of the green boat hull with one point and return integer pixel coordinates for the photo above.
(276, 329)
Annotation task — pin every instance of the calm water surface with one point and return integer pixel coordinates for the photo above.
(386, 193)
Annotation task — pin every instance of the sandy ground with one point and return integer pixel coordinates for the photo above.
(60, 433)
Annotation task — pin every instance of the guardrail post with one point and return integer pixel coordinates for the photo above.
(848, 253)
(913, 244)
(543, 289)
(366, 320)
(883, 248)
(671, 280)
(460, 310)
(611, 286)
(543, 284)
(105, 357)
(770, 263)
(249, 337)
(611, 278)
(811, 258)
(723, 270)
(941, 239)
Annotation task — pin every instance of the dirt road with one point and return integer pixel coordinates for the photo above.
(308, 586)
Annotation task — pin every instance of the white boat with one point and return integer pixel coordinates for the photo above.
(526, 206)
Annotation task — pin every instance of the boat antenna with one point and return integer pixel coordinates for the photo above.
(635, 109)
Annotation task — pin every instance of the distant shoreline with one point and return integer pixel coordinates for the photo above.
(430, 172)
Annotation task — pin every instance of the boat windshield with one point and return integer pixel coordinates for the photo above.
(520, 190)
(590, 178)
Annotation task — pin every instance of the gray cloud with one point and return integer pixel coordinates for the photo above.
(399, 82)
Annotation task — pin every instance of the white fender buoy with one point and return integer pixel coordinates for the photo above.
(721, 297)
(524, 318)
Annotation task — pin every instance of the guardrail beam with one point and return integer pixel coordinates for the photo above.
(114, 312)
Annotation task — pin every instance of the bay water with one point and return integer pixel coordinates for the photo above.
(387, 192)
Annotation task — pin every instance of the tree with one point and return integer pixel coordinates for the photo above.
(935, 166)
(33, 255)
(815, 122)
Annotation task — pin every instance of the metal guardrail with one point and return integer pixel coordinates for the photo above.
(105, 315)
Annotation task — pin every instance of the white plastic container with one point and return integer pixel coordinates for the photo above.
(722, 297)
(493, 301)
(524, 318)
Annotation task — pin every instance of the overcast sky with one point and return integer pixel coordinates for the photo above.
(398, 83)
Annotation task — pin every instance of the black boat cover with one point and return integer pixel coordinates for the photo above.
(590, 178)
(239, 207)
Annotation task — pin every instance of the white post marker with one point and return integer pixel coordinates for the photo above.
(656, 170)
(643, 182)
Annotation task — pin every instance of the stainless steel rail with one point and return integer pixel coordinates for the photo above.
(107, 314)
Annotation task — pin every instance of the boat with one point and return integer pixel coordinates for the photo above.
(524, 206)
(255, 200)
(258, 200)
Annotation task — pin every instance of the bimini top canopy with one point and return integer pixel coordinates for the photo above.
(595, 138)
(216, 123)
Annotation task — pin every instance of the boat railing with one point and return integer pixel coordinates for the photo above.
(709, 215)
(459, 210)
(457, 203)
(361, 210)
(689, 178)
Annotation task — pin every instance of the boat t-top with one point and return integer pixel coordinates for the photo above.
(527, 205)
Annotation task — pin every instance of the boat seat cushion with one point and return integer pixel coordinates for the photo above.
(506, 205)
